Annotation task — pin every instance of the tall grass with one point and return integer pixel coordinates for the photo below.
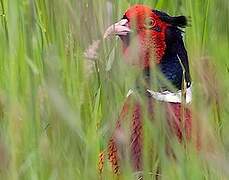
(57, 109)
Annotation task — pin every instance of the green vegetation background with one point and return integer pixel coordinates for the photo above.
(57, 108)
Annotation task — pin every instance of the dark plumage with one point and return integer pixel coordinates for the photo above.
(175, 54)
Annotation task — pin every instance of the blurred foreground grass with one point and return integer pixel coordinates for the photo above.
(57, 108)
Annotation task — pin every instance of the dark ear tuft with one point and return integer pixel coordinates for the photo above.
(180, 21)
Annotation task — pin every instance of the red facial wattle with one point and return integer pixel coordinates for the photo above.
(149, 33)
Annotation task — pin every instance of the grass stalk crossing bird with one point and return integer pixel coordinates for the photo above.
(159, 46)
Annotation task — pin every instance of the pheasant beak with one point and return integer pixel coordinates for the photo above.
(120, 28)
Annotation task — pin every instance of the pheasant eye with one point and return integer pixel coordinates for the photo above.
(149, 23)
